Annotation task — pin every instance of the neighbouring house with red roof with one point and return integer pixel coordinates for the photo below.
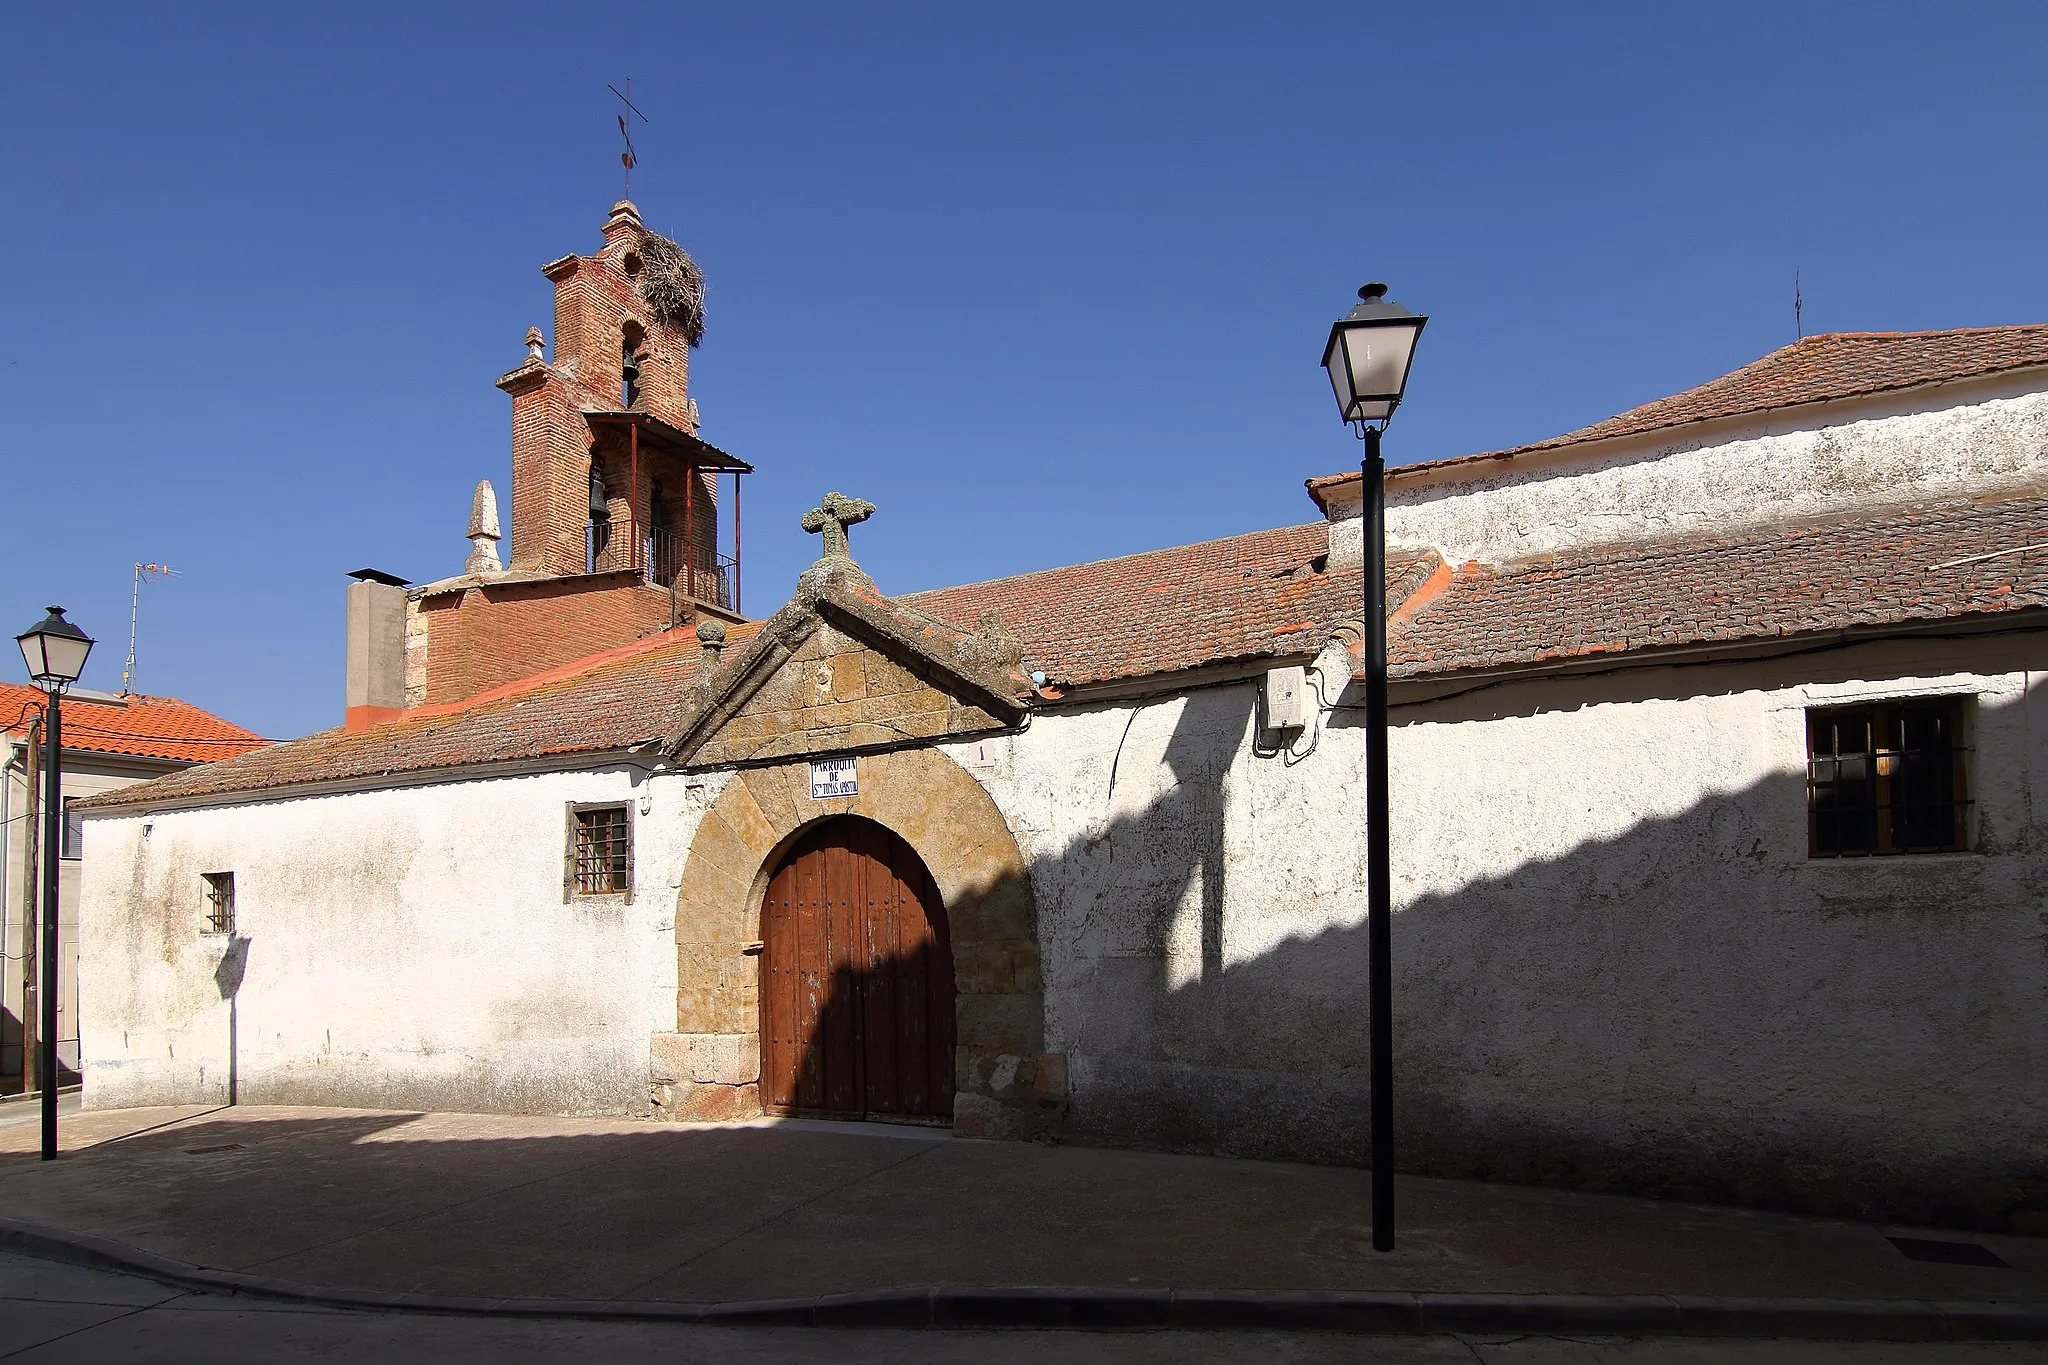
(110, 741)
(1716, 850)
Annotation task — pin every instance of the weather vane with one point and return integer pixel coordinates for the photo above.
(626, 158)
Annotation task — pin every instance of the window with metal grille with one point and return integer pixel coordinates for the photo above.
(220, 902)
(599, 855)
(1886, 778)
(74, 831)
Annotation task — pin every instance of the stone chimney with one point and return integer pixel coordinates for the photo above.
(376, 649)
(1342, 498)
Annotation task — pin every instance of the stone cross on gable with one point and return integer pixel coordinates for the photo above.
(832, 516)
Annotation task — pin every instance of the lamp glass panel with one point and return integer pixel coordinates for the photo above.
(1340, 374)
(64, 656)
(1379, 358)
(32, 655)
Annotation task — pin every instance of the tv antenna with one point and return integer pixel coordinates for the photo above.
(142, 571)
(627, 158)
(1798, 309)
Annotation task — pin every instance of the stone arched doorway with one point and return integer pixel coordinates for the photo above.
(1005, 1084)
(856, 982)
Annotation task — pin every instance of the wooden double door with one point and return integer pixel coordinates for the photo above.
(856, 979)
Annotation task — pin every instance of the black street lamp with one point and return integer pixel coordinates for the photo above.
(1368, 356)
(55, 651)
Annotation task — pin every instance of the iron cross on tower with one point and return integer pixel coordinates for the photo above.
(626, 157)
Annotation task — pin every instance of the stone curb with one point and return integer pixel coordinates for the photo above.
(946, 1306)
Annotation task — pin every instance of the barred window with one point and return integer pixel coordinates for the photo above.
(1886, 779)
(598, 854)
(220, 902)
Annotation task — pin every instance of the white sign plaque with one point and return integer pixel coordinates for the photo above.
(832, 777)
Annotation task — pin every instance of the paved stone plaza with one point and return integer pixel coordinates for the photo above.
(506, 1208)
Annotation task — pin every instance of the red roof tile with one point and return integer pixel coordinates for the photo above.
(1246, 596)
(1263, 593)
(136, 726)
(1785, 581)
(600, 704)
(1817, 369)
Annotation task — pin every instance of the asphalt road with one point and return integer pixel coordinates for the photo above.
(56, 1313)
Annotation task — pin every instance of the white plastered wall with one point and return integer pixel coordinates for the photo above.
(406, 948)
(1617, 965)
(1621, 967)
(1963, 440)
(1174, 849)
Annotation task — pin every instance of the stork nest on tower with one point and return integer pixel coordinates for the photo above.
(672, 287)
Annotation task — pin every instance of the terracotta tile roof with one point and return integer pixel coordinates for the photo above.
(1817, 369)
(1264, 594)
(1788, 580)
(1250, 595)
(596, 705)
(1244, 596)
(134, 727)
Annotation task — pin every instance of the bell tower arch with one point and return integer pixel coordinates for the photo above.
(618, 387)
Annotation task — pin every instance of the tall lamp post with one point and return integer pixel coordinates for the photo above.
(1367, 357)
(55, 651)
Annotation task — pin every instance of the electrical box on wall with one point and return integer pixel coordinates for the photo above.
(1283, 699)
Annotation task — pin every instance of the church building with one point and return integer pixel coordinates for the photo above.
(1717, 868)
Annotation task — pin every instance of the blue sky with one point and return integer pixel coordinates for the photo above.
(1046, 283)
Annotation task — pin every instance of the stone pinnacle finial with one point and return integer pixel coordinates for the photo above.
(711, 635)
(623, 222)
(832, 516)
(533, 343)
(483, 531)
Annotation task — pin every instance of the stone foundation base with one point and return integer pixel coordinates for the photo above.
(705, 1077)
(716, 1078)
(704, 1102)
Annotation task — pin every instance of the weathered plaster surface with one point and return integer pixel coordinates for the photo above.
(1167, 857)
(1617, 966)
(1980, 441)
(403, 948)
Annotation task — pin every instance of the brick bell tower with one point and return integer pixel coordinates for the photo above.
(615, 498)
(607, 468)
